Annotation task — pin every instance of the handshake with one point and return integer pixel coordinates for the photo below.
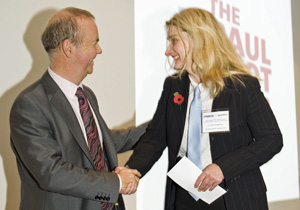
(130, 179)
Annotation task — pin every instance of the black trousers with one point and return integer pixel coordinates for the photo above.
(183, 201)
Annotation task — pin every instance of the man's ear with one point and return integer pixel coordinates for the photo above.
(67, 47)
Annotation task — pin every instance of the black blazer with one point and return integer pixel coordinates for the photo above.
(254, 138)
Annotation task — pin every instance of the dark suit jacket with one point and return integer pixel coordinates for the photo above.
(54, 163)
(254, 138)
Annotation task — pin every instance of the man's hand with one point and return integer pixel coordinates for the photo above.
(130, 179)
(211, 177)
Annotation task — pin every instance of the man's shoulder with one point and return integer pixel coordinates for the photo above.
(32, 90)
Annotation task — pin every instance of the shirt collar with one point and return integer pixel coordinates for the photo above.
(67, 87)
(193, 84)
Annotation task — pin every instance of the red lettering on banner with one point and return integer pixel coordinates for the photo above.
(253, 68)
(255, 55)
(266, 72)
(224, 10)
(263, 53)
(235, 38)
(213, 8)
(252, 48)
(235, 16)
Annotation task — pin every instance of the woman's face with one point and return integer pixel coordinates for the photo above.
(179, 47)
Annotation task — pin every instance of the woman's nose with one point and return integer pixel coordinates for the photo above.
(168, 51)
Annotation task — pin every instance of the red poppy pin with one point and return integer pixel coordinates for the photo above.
(178, 99)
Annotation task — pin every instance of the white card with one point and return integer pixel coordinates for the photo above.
(185, 174)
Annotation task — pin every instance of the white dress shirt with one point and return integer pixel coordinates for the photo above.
(206, 107)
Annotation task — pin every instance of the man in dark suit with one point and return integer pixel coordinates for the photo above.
(65, 151)
(207, 63)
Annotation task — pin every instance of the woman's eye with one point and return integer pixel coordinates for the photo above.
(174, 41)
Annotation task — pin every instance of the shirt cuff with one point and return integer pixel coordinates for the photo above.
(120, 182)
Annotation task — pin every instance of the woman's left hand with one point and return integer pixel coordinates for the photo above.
(211, 177)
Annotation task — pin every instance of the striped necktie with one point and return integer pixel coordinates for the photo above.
(93, 138)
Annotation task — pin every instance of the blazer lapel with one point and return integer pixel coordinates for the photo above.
(182, 87)
(61, 103)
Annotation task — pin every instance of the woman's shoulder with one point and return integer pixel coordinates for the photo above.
(176, 78)
(242, 80)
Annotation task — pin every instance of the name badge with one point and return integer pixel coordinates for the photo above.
(215, 121)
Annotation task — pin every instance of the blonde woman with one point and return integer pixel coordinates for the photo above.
(208, 64)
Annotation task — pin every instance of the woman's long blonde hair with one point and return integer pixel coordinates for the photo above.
(214, 57)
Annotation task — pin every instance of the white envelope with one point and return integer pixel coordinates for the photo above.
(185, 174)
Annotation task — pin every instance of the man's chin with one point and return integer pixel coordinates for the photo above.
(90, 71)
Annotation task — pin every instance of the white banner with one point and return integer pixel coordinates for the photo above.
(262, 34)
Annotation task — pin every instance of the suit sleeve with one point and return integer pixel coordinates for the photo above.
(260, 127)
(40, 155)
(153, 142)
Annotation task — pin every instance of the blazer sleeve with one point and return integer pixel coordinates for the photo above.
(259, 133)
(153, 142)
(123, 139)
(126, 139)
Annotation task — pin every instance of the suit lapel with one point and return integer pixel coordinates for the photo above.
(106, 136)
(61, 103)
(182, 87)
